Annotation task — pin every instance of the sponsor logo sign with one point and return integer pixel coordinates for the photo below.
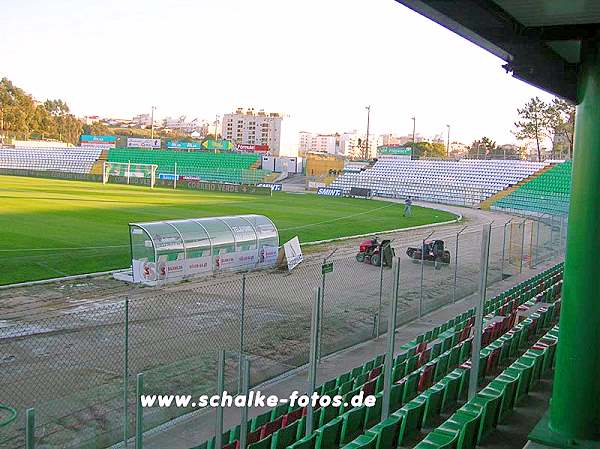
(101, 142)
(273, 186)
(211, 144)
(394, 150)
(199, 265)
(197, 184)
(135, 142)
(252, 148)
(180, 145)
(293, 253)
(267, 255)
(236, 259)
(327, 191)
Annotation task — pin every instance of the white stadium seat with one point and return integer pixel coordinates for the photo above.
(74, 159)
(465, 182)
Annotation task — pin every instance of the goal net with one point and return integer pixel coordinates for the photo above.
(129, 170)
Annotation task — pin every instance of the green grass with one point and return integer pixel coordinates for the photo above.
(52, 228)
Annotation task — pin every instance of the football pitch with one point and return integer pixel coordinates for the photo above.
(52, 228)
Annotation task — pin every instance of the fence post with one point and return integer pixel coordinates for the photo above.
(552, 245)
(242, 322)
(524, 224)
(504, 249)
(389, 357)
(537, 244)
(312, 361)
(456, 265)
(423, 272)
(320, 333)
(126, 377)
(322, 311)
(220, 390)
(244, 411)
(379, 310)
(476, 345)
(139, 412)
(30, 429)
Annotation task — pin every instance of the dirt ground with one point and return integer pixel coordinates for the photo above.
(63, 345)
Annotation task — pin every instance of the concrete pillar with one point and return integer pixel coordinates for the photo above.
(575, 405)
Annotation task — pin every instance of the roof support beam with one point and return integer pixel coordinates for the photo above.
(485, 24)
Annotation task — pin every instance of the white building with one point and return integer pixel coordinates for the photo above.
(347, 144)
(253, 128)
(322, 143)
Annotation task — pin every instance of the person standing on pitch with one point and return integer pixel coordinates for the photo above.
(407, 207)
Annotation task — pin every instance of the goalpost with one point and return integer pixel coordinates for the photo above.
(128, 170)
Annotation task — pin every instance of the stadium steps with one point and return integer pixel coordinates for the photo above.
(487, 203)
(98, 165)
(430, 376)
(271, 177)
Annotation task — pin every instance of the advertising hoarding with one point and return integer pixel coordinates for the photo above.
(181, 145)
(135, 142)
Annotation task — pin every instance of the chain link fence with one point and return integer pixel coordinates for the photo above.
(78, 368)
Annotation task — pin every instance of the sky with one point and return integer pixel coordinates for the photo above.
(320, 62)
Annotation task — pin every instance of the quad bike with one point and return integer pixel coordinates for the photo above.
(432, 251)
(374, 252)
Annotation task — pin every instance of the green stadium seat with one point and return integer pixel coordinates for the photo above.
(387, 432)
(353, 424)
(328, 436)
(308, 442)
(373, 414)
(367, 441)
(286, 436)
(412, 418)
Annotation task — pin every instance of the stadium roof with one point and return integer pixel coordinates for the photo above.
(539, 39)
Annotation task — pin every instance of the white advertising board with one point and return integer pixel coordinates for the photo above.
(267, 256)
(293, 253)
(135, 142)
(236, 259)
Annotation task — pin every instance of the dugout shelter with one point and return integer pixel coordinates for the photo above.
(178, 249)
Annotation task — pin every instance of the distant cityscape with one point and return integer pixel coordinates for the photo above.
(256, 127)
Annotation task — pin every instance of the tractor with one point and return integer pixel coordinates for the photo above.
(433, 251)
(374, 252)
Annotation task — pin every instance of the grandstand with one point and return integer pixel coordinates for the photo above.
(463, 182)
(221, 167)
(548, 193)
(74, 160)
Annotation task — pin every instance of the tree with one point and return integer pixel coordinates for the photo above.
(562, 121)
(432, 150)
(482, 149)
(97, 129)
(535, 123)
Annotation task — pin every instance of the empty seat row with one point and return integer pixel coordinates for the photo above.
(223, 167)
(473, 422)
(463, 182)
(428, 377)
(548, 193)
(74, 160)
